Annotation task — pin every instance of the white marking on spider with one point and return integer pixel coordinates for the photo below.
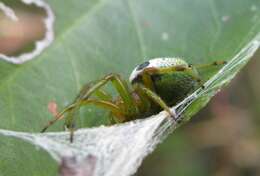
(156, 63)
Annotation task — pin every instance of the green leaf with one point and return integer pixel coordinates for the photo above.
(94, 38)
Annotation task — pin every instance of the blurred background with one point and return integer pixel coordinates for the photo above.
(221, 140)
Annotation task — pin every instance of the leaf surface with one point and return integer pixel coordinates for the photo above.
(97, 37)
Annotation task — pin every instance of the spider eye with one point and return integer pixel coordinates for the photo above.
(143, 65)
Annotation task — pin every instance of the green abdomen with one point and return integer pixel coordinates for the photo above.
(173, 87)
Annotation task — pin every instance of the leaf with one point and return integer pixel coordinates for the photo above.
(94, 38)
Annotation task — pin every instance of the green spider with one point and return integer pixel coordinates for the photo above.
(157, 84)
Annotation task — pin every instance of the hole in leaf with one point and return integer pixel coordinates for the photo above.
(19, 36)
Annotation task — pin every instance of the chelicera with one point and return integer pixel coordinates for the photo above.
(156, 85)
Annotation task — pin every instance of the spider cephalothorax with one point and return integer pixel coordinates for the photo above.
(155, 85)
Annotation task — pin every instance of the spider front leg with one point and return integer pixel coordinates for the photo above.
(201, 66)
(105, 100)
(88, 90)
(115, 110)
(119, 84)
(108, 105)
(148, 89)
(70, 107)
(213, 64)
(157, 99)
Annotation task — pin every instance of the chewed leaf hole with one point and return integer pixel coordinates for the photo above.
(25, 30)
(19, 36)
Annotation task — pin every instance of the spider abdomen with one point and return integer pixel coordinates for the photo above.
(173, 87)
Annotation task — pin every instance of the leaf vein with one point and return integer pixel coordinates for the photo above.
(138, 30)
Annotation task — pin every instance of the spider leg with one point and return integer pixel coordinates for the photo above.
(57, 117)
(119, 84)
(103, 95)
(196, 76)
(115, 110)
(157, 99)
(216, 63)
(94, 87)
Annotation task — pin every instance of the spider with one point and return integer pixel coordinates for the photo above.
(157, 84)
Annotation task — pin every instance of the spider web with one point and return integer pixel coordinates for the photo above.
(120, 149)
